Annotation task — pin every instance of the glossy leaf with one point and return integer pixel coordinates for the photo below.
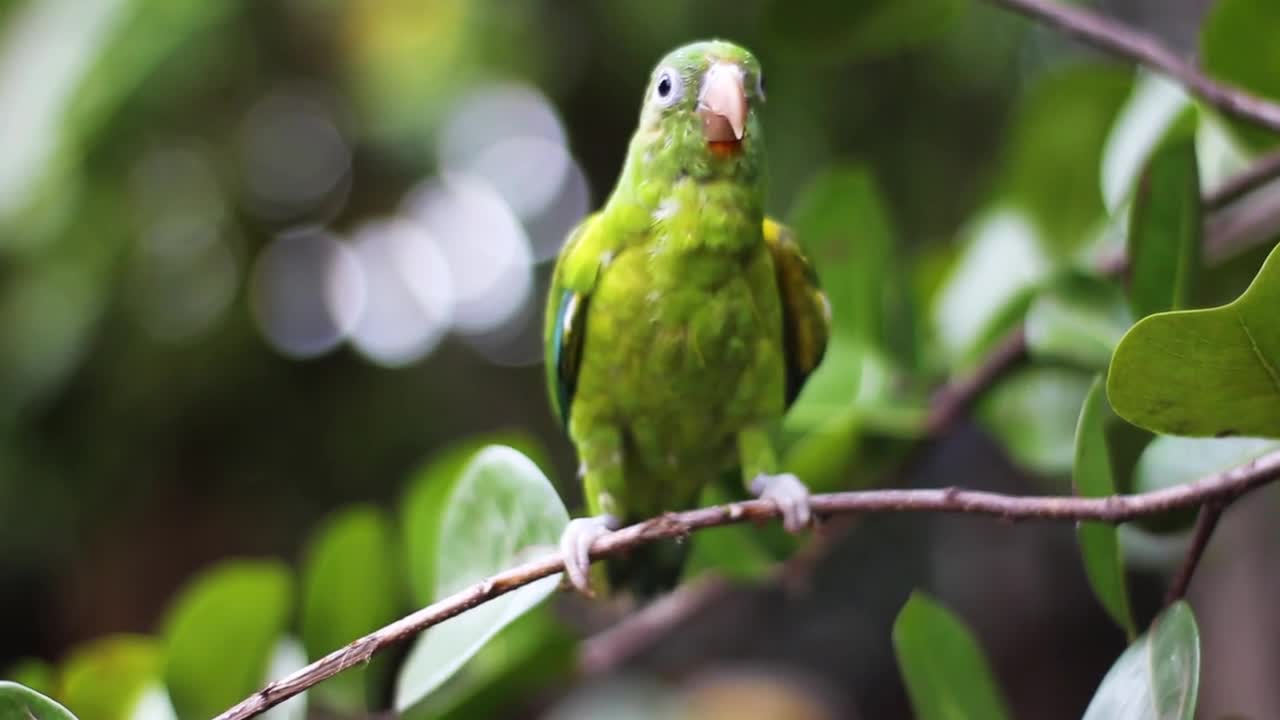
(944, 669)
(1237, 45)
(420, 509)
(1093, 477)
(847, 31)
(221, 633)
(1033, 413)
(1079, 319)
(1154, 105)
(1157, 677)
(501, 508)
(1165, 225)
(107, 678)
(23, 703)
(350, 586)
(1208, 372)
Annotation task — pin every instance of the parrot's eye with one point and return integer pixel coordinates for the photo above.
(760, 85)
(667, 88)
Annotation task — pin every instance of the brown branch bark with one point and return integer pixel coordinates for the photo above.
(1109, 36)
(1219, 488)
(1261, 172)
(1206, 523)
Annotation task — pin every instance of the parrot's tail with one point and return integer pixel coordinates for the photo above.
(648, 570)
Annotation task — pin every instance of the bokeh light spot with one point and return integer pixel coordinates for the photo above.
(307, 290)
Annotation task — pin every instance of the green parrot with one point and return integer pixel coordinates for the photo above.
(681, 321)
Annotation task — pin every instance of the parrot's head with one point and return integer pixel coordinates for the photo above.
(699, 115)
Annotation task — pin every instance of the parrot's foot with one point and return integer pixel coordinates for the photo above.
(789, 494)
(575, 546)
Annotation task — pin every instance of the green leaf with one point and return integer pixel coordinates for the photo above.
(989, 285)
(1093, 477)
(1157, 677)
(106, 679)
(1051, 170)
(350, 587)
(1165, 225)
(840, 220)
(33, 673)
(1033, 413)
(1077, 318)
(1212, 372)
(1170, 461)
(221, 633)
(527, 655)
(23, 703)
(1154, 105)
(1237, 45)
(944, 669)
(858, 30)
(420, 509)
(501, 509)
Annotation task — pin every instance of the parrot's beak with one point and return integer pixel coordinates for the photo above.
(723, 104)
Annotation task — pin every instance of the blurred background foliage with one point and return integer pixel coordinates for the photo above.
(261, 261)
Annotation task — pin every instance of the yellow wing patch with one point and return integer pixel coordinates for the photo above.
(806, 312)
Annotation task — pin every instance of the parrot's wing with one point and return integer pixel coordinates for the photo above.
(565, 324)
(806, 313)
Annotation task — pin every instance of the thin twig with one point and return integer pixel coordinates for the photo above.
(607, 650)
(1206, 522)
(1261, 172)
(1143, 49)
(1221, 488)
(955, 398)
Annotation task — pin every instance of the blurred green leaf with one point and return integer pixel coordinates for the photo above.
(840, 220)
(1237, 45)
(1093, 477)
(106, 679)
(106, 52)
(1157, 677)
(350, 587)
(822, 455)
(1155, 103)
(1165, 224)
(501, 509)
(1077, 318)
(831, 389)
(989, 284)
(944, 669)
(1208, 372)
(1169, 461)
(23, 703)
(428, 488)
(1033, 413)
(1051, 166)
(33, 673)
(221, 632)
(858, 30)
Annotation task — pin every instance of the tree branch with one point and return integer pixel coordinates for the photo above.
(1107, 35)
(1261, 172)
(1206, 522)
(1219, 488)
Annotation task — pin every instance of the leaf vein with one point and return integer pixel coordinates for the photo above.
(1257, 352)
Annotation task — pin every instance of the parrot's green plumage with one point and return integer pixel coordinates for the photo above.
(681, 321)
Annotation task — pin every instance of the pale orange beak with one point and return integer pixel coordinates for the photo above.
(723, 104)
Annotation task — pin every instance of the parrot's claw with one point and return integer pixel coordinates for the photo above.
(575, 546)
(789, 494)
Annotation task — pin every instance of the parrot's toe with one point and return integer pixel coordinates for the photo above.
(789, 494)
(575, 546)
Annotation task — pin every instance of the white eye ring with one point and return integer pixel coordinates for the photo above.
(760, 85)
(668, 88)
